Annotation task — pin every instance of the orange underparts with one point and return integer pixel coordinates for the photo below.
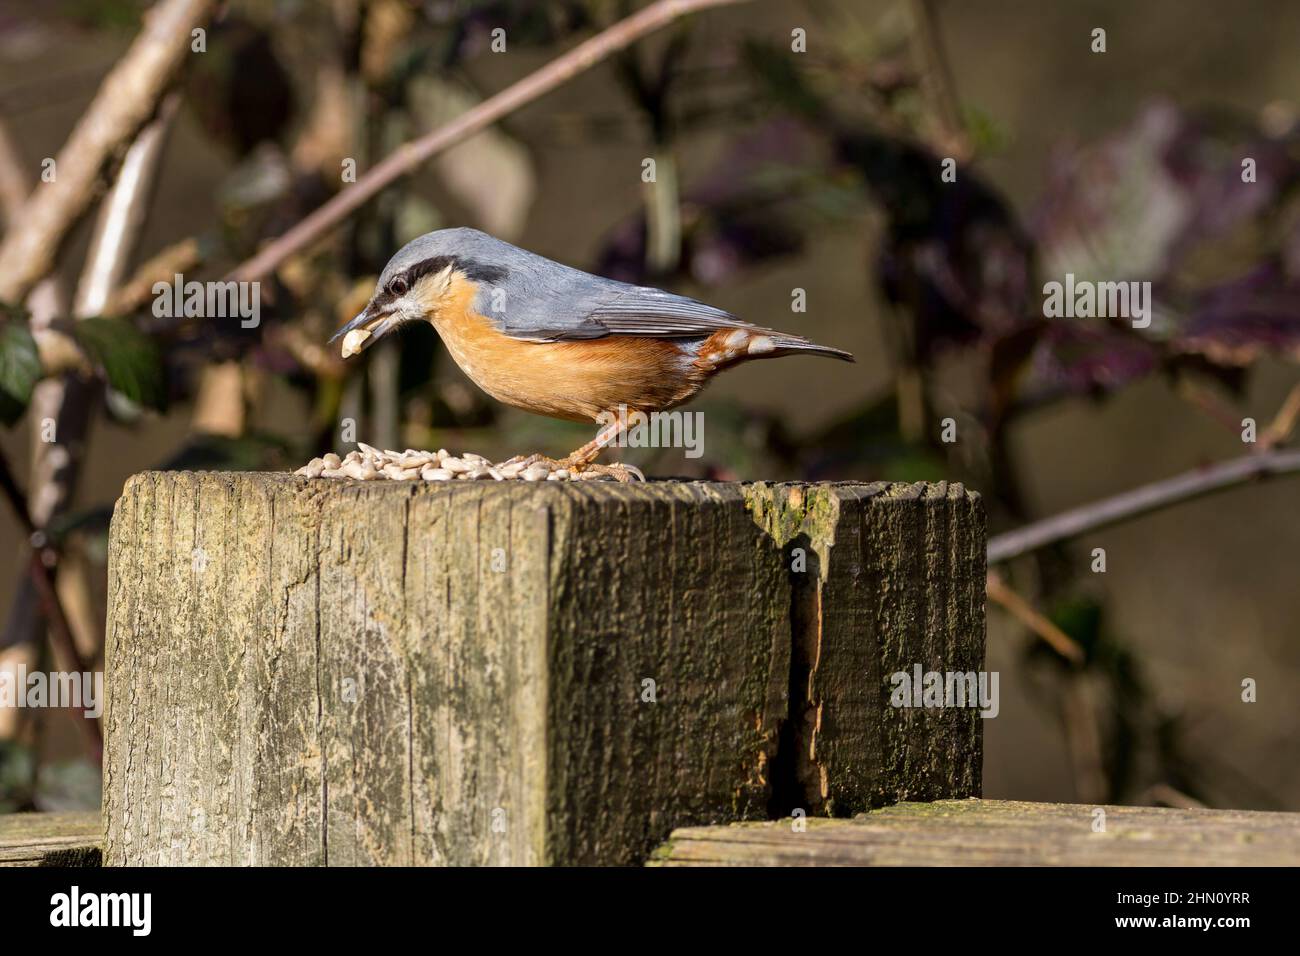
(580, 379)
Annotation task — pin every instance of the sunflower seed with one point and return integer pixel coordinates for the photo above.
(354, 341)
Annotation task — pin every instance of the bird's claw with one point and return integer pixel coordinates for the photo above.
(617, 471)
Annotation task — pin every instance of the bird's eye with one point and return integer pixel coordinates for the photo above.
(397, 285)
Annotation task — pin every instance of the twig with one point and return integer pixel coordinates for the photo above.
(135, 291)
(125, 101)
(69, 400)
(1024, 612)
(122, 213)
(48, 300)
(42, 559)
(1152, 497)
(411, 155)
(1204, 400)
(1283, 425)
(113, 242)
(937, 78)
(14, 185)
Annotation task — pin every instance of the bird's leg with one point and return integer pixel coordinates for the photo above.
(584, 458)
(588, 453)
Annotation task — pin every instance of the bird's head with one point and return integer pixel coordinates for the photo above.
(425, 276)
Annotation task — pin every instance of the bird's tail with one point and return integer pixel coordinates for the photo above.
(787, 344)
(741, 343)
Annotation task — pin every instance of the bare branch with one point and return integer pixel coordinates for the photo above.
(55, 464)
(48, 300)
(1201, 398)
(126, 100)
(116, 233)
(1024, 612)
(117, 230)
(137, 290)
(14, 185)
(69, 401)
(1284, 423)
(937, 81)
(413, 154)
(43, 559)
(1152, 497)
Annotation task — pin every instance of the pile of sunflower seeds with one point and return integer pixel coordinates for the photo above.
(371, 464)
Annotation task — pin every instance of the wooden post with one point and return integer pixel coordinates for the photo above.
(49, 839)
(326, 672)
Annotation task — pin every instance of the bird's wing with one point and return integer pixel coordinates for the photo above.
(590, 308)
(644, 311)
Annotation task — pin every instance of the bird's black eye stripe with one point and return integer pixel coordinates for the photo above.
(403, 282)
(481, 272)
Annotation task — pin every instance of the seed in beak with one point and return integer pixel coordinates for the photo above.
(354, 341)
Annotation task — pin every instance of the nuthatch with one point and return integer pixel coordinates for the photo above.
(557, 341)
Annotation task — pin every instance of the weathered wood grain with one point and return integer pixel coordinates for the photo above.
(343, 673)
(49, 839)
(998, 833)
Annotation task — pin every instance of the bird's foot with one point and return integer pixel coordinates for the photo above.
(616, 470)
(577, 467)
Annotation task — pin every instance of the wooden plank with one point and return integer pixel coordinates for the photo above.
(50, 839)
(998, 833)
(357, 673)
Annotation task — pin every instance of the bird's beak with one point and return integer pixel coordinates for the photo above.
(364, 330)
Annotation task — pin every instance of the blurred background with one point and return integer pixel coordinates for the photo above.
(778, 168)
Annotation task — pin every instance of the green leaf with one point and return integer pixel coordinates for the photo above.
(20, 370)
(129, 360)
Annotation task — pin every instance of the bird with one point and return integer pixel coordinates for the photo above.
(556, 341)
